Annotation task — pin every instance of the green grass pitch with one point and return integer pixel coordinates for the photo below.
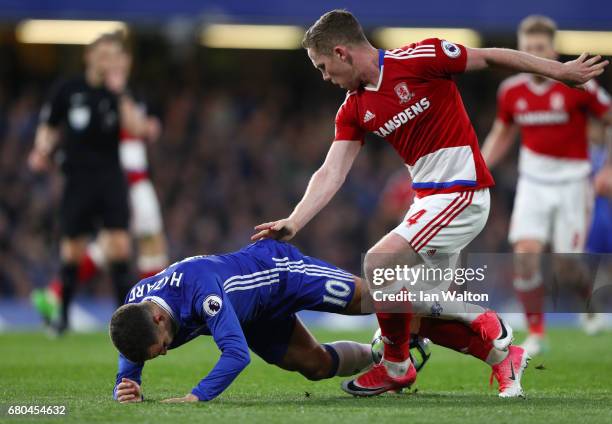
(574, 386)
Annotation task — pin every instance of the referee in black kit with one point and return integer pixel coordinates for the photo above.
(87, 115)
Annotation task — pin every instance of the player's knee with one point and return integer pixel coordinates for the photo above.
(73, 250)
(528, 246)
(371, 263)
(118, 245)
(527, 258)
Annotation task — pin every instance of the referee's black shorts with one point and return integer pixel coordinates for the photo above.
(93, 201)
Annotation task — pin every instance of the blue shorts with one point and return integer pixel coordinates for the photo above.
(600, 235)
(306, 283)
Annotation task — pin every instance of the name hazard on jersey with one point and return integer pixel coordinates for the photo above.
(402, 117)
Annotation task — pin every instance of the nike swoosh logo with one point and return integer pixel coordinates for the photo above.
(504, 332)
(513, 376)
(354, 388)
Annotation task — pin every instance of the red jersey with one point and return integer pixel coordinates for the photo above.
(416, 107)
(551, 115)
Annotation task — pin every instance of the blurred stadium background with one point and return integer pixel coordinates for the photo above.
(246, 120)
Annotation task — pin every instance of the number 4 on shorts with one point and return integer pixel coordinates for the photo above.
(412, 219)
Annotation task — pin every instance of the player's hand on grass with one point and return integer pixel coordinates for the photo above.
(128, 391)
(187, 398)
(284, 229)
(579, 71)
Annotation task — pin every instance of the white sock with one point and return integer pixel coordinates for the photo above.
(495, 356)
(352, 357)
(397, 369)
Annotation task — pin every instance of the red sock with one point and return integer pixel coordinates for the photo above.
(87, 269)
(55, 287)
(395, 327)
(456, 336)
(533, 304)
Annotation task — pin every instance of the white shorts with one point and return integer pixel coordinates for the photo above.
(558, 214)
(444, 223)
(146, 214)
(438, 227)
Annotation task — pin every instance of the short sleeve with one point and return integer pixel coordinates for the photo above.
(347, 122)
(54, 109)
(504, 108)
(438, 58)
(597, 99)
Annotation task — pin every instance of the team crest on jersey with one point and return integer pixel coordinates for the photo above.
(521, 104)
(212, 305)
(78, 116)
(557, 102)
(451, 50)
(404, 94)
(79, 113)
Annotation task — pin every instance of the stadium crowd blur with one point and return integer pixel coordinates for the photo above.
(243, 132)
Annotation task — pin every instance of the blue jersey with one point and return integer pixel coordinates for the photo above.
(599, 239)
(237, 298)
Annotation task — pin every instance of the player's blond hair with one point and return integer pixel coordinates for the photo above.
(333, 28)
(537, 24)
(117, 37)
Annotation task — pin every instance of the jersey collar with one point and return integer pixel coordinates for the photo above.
(162, 304)
(541, 88)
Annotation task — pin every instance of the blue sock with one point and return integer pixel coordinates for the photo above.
(335, 360)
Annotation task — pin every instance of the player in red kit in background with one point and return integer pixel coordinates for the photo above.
(407, 95)
(553, 196)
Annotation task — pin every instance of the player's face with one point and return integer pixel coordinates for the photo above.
(118, 72)
(164, 339)
(102, 57)
(540, 45)
(161, 346)
(335, 68)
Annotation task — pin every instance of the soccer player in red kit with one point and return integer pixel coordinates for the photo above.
(407, 96)
(553, 195)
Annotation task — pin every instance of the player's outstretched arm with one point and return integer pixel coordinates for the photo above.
(498, 142)
(323, 185)
(217, 311)
(573, 73)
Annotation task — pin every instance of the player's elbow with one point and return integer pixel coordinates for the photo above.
(242, 357)
(477, 59)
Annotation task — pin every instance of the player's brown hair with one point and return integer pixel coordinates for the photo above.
(335, 27)
(109, 37)
(133, 331)
(537, 24)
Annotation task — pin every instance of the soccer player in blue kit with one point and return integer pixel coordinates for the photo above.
(246, 299)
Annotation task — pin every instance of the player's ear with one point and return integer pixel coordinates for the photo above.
(341, 52)
(158, 317)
